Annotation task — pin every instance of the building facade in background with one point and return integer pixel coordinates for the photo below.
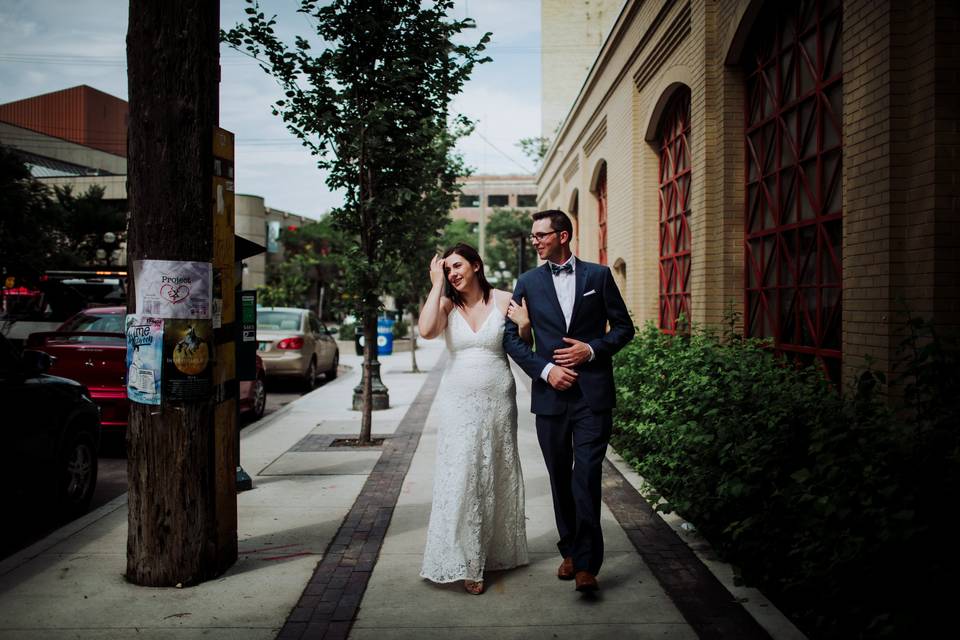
(795, 162)
(571, 33)
(77, 138)
(262, 224)
(74, 138)
(480, 195)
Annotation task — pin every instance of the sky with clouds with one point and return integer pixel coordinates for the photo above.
(48, 45)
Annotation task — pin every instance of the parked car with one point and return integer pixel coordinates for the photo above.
(51, 436)
(295, 344)
(253, 393)
(91, 347)
(60, 294)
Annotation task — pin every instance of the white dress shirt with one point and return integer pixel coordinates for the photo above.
(565, 285)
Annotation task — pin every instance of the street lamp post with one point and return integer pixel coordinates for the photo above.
(521, 255)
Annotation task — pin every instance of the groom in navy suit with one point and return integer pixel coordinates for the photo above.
(570, 303)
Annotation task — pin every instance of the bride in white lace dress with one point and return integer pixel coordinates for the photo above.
(477, 518)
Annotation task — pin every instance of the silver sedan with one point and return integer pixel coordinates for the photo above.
(294, 343)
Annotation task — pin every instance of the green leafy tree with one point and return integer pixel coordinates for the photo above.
(314, 260)
(507, 231)
(411, 282)
(87, 218)
(457, 231)
(43, 228)
(29, 222)
(288, 282)
(370, 105)
(535, 148)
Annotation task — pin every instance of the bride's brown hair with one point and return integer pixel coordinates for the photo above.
(470, 255)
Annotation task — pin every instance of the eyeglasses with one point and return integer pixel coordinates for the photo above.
(538, 237)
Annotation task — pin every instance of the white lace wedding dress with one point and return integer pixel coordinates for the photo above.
(477, 519)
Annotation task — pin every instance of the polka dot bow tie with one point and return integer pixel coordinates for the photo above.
(557, 270)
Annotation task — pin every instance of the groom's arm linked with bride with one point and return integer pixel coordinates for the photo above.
(597, 302)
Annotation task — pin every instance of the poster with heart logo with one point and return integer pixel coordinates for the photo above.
(173, 288)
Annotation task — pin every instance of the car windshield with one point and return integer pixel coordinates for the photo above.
(110, 322)
(84, 322)
(278, 320)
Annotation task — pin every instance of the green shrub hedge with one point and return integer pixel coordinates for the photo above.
(833, 504)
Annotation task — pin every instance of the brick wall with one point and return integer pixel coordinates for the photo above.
(901, 188)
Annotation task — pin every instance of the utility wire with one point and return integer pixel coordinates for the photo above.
(501, 152)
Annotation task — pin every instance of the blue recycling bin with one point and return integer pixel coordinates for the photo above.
(384, 336)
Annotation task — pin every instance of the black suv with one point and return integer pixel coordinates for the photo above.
(51, 436)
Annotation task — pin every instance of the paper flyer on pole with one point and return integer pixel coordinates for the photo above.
(187, 359)
(173, 288)
(144, 358)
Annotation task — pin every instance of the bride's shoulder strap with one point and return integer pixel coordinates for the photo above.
(502, 300)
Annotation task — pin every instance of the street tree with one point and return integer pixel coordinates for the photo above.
(311, 274)
(457, 231)
(507, 231)
(535, 148)
(43, 228)
(423, 232)
(370, 105)
(30, 223)
(288, 282)
(86, 219)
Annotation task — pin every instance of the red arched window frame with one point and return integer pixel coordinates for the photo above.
(674, 207)
(602, 215)
(793, 154)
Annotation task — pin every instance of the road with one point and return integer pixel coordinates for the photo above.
(112, 469)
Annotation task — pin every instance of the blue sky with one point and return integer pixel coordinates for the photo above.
(47, 45)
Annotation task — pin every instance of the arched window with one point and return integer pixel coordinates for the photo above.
(674, 206)
(575, 220)
(620, 275)
(601, 193)
(794, 150)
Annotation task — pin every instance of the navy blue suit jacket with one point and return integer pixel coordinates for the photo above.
(597, 301)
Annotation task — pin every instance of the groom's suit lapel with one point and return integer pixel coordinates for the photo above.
(546, 278)
(580, 273)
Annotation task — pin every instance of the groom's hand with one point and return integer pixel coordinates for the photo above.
(576, 354)
(561, 378)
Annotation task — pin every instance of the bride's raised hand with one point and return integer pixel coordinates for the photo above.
(518, 313)
(436, 270)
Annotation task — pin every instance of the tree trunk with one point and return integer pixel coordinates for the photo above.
(172, 456)
(369, 355)
(414, 319)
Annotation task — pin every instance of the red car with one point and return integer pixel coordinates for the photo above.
(90, 347)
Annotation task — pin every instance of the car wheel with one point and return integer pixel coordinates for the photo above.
(259, 398)
(332, 372)
(78, 474)
(310, 377)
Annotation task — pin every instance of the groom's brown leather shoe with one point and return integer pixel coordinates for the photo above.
(565, 572)
(586, 581)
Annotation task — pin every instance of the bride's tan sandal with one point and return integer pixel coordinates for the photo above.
(476, 588)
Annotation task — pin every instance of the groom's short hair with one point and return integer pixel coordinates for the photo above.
(558, 220)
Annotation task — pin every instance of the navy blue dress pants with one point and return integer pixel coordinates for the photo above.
(574, 444)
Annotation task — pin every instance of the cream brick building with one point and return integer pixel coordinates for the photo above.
(714, 157)
(481, 194)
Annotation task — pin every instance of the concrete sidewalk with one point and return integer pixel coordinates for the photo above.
(318, 559)
(528, 602)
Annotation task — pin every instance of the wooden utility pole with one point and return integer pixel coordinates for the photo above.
(181, 469)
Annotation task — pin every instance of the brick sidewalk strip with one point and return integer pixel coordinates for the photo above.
(329, 602)
(702, 599)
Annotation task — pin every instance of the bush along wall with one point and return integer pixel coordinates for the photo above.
(837, 505)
